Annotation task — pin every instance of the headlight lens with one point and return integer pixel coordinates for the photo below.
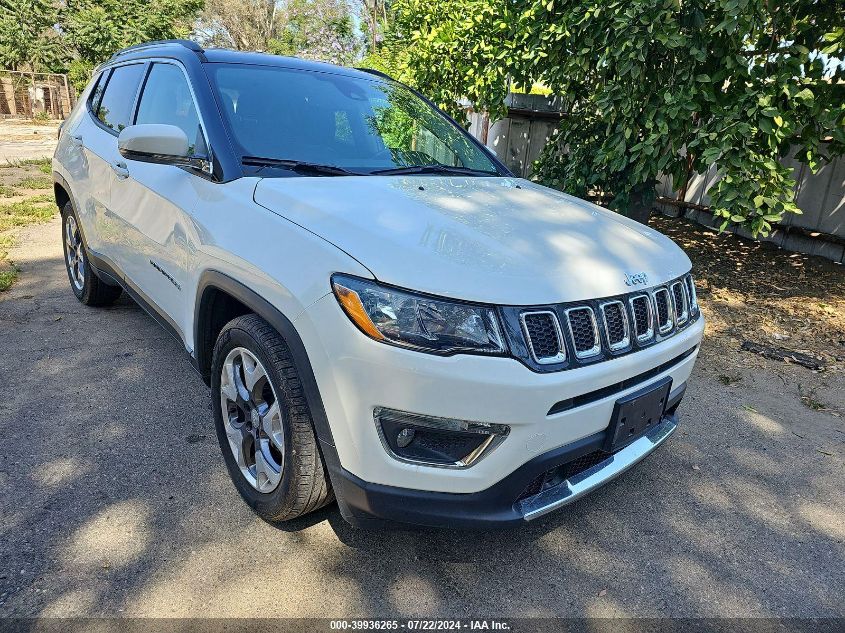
(417, 321)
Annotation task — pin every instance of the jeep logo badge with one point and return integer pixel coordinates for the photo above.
(636, 279)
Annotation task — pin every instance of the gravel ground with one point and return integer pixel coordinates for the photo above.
(114, 499)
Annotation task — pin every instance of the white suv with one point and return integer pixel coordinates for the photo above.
(384, 313)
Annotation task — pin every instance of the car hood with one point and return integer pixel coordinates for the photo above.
(496, 240)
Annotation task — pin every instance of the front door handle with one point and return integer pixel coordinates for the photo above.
(76, 140)
(120, 169)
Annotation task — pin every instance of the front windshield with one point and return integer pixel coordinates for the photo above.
(358, 124)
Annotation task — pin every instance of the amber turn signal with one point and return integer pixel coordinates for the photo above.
(351, 304)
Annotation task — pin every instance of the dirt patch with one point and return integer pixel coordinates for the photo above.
(753, 291)
(23, 130)
(22, 140)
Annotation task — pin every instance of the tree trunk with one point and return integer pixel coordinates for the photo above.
(639, 208)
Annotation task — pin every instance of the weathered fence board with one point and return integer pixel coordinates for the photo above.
(29, 95)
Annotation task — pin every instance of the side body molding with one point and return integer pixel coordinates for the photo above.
(212, 279)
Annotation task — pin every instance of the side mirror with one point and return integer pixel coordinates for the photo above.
(158, 143)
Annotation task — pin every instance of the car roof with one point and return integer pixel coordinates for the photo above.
(183, 48)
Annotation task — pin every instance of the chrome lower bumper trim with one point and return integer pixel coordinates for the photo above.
(592, 478)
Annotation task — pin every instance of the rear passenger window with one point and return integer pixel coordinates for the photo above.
(167, 99)
(97, 92)
(115, 109)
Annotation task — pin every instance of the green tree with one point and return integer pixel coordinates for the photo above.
(95, 29)
(28, 40)
(313, 29)
(668, 87)
(244, 25)
(316, 29)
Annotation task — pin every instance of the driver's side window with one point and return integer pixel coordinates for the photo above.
(167, 99)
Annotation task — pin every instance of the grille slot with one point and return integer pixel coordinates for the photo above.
(615, 325)
(679, 299)
(584, 331)
(545, 341)
(643, 317)
(693, 298)
(663, 306)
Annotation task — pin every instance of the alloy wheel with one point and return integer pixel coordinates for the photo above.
(253, 419)
(75, 253)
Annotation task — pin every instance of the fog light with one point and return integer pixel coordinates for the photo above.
(404, 437)
(434, 441)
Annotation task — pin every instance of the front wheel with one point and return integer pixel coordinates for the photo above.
(263, 422)
(86, 285)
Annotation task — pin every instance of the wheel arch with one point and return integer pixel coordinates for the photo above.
(61, 191)
(221, 298)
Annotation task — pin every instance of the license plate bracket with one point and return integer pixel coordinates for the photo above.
(636, 414)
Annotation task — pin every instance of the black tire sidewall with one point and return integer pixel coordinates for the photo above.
(275, 502)
(68, 211)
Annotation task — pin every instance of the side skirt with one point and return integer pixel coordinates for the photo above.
(106, 269)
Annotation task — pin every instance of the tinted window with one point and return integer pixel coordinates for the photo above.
(167, 99)
(359, 124)
(115, 109)
(97, 92)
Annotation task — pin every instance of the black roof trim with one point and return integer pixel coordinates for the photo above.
(373, 71)
(190, 45)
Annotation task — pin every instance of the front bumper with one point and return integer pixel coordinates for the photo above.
(548, 414)
(505, 503)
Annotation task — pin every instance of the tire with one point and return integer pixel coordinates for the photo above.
(86, 285)
(264, 424)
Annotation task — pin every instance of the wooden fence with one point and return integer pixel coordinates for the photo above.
(519, 138)
(32, 95)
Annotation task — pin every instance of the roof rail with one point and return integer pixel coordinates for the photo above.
(192, 46)
(373, 71)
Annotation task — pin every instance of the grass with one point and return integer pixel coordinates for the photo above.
(7, 276)
(30, 211)
(6, 242)
(34, 209)
(8, 271)
(44, 164)
(35, 182)
(808, 398)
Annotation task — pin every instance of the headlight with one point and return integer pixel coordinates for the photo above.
(417, 321)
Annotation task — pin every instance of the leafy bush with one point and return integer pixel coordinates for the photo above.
(651, 87)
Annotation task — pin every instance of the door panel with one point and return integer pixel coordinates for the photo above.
(150, 206)
(89, 153)
(112, 114)
(151, 203)
(81, 164)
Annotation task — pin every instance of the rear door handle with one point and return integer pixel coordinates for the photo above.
(120, 169)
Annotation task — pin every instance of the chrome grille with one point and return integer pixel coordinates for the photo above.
(584, 331)
(542, 331)
(663, 306)
(693, 297)
(565, 336)
(643, 317)
(615, 325)
(679, 300)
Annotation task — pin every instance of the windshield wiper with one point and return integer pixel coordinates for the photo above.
(298, 166)
(433, 169)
